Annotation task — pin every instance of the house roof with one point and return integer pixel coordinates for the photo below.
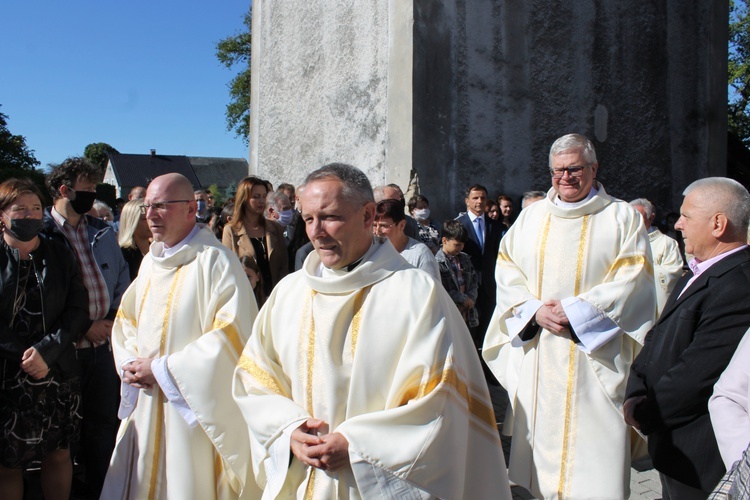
(219, 171)
(138, 170)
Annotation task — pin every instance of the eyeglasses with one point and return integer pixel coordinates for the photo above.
(161, 206)
(557, 173)
(382, 225)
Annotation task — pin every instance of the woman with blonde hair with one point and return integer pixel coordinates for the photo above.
(134, 236)
(250, 234)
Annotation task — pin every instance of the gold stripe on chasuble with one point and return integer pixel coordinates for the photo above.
(635, 260)
(231, 333)
(146, 291)
(572, 358)
(543, 247)
(156, 438)
(450, 378)
(158, 433)
(359, 299)
(263, 377)
(309, 352)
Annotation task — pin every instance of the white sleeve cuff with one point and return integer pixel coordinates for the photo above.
(170, 390)
(521, 317)
(128, 395)
(592, 327)
(277, 464)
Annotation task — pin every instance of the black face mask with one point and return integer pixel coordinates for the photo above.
(24, 229)
(83, 202)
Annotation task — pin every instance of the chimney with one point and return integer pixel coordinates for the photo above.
(153, 153)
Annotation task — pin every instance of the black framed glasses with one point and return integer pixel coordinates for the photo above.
(575, 171)
(161, 206)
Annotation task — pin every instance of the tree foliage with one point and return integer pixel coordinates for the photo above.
(235, 51)
(739, 71)
(96, 153)
(16, 159)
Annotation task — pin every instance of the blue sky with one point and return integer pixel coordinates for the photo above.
(135, 74)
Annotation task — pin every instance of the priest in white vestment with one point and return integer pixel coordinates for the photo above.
(179, 332)
(575, 299)
(360, 379)
(668, 263)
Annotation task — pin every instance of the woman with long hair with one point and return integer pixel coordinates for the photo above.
(134, 236)
(250, 234)
(43, 309)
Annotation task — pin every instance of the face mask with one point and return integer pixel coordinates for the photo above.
(201, 206)
(422, 213)
(285, 217)
(24, 229)
(83, 202)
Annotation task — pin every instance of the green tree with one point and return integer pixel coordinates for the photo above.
(16, 159)
(217, 194)
(96, 153)
(739, 71)
(235, 51)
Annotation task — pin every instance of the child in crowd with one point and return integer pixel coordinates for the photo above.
(253, 274)
(456, 272)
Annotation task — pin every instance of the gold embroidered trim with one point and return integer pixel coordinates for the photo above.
(146, 291)
(173, 290)
(231, 333)
(543, 250)
(158, 436)
(263, 377)
(357, 317)
(450, 378)
(310, 490)
(503, 257)
(572, 356)
(310, 354)
(636, 260)
(582, 240)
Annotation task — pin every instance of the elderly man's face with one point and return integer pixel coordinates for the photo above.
(695, 223)
(644, 215)
(170, 223)
(339, 229)
(569, 187)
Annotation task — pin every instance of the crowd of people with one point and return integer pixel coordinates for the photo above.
(334, 340)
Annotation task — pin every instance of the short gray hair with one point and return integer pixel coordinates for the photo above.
(729, 197)
(532, 195)
(357, 187)
(647, 206)
(571, 142)
(273, 197)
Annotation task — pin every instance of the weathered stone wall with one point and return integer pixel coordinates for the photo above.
(465, 91)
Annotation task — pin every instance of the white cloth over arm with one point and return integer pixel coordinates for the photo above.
(729, 408)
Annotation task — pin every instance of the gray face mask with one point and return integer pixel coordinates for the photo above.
(285, 217)
(24, 229)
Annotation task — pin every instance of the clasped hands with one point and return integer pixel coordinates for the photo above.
(325, 452)
(138, 373)
(33, 363)
(551, 316)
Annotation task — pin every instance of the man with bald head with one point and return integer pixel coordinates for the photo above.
(137, 193)
(176, 339)
(360, 379)
(691, 344)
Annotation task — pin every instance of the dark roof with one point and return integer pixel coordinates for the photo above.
(219, 171)
(139, 170)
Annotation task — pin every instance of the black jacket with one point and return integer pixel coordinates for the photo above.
(684, 355)
(65, 304)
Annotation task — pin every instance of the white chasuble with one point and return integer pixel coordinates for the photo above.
(569, 436)
(668, 266)
(383, 356)
(195, 307)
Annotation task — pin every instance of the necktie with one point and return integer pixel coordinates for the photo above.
(480, 235)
